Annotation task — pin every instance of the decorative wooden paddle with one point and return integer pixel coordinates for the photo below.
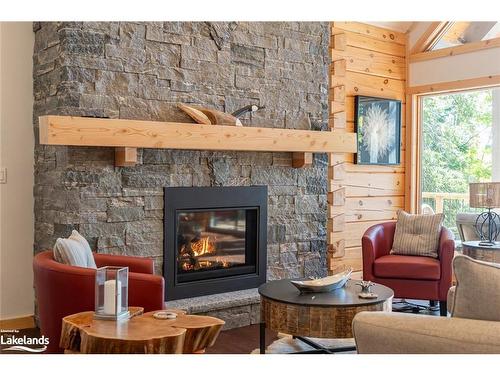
(209, 116)
(195, 114)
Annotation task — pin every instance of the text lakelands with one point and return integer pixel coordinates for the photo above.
(24, 340)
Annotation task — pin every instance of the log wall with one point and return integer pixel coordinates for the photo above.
(371, 61)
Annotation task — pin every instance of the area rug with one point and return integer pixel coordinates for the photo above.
(286, 344)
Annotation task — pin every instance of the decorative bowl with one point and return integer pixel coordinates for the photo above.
(323, 285)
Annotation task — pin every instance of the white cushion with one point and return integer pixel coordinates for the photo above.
(74, 251)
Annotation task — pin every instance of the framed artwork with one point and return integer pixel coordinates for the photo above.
(378, 128)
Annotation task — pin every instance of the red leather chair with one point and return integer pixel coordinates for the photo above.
(63, 290)
(413, 277)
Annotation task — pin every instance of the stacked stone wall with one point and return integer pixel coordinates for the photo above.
(140, 71)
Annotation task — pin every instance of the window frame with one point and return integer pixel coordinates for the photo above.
(415, 96)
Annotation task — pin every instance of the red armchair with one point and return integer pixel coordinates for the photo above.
(64, 290)
(409, 276)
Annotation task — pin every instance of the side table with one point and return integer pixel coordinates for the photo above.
(141, 334)
(481, 252)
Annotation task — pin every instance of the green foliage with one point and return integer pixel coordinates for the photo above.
(456, 141)
(456, 146)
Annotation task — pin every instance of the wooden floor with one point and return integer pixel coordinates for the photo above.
(240, 340)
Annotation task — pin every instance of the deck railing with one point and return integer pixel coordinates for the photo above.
(450, 204)
(439, 199)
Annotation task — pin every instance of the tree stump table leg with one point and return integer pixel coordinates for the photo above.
(142, 333)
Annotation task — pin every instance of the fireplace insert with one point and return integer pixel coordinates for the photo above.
(215, 239)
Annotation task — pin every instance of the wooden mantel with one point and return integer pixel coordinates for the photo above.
(127, 135)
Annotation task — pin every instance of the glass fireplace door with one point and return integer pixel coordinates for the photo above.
(215, 243)
(215, 239)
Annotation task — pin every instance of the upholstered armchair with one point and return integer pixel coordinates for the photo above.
(474, 325)
(415, 277)
(63, 290)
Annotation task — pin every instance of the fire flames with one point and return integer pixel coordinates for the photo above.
(203, 246)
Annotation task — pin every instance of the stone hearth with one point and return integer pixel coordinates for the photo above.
(237, 309)
(140, 71)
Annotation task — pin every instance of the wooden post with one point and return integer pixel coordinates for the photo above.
(439, 199)
(336, 168)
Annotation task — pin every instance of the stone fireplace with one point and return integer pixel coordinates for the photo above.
(215, 239)
(141, 71)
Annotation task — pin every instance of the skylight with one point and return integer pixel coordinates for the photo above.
(460, 33)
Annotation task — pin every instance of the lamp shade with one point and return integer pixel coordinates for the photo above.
(484, 194)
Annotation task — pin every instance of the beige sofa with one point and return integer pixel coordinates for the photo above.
(474, 325)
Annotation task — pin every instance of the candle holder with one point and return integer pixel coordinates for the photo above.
(111, 293)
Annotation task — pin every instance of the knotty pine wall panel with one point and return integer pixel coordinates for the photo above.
(365, 60)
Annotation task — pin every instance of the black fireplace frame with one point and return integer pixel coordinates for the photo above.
(203, 198)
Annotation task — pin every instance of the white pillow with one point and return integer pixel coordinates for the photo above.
(74, 251)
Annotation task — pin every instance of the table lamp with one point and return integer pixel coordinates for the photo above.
(486, 195)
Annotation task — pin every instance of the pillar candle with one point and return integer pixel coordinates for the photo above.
(110, 301)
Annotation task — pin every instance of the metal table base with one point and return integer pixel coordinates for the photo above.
(317, 348)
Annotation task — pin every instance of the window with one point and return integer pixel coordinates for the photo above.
(460, 144)
(460, 33)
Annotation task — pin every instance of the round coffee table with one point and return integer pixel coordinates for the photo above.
(322, 315)
(482, 252)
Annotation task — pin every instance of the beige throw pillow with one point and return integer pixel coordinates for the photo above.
(477, 295)
(417, 234)
(74, 251)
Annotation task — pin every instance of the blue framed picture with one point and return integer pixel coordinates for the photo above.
(378, 128)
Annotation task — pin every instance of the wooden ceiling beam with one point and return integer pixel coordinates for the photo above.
(431, 36)
(457, 50)
(459, 85)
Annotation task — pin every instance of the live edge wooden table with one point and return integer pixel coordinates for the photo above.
(141, 334)
(320, 315)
